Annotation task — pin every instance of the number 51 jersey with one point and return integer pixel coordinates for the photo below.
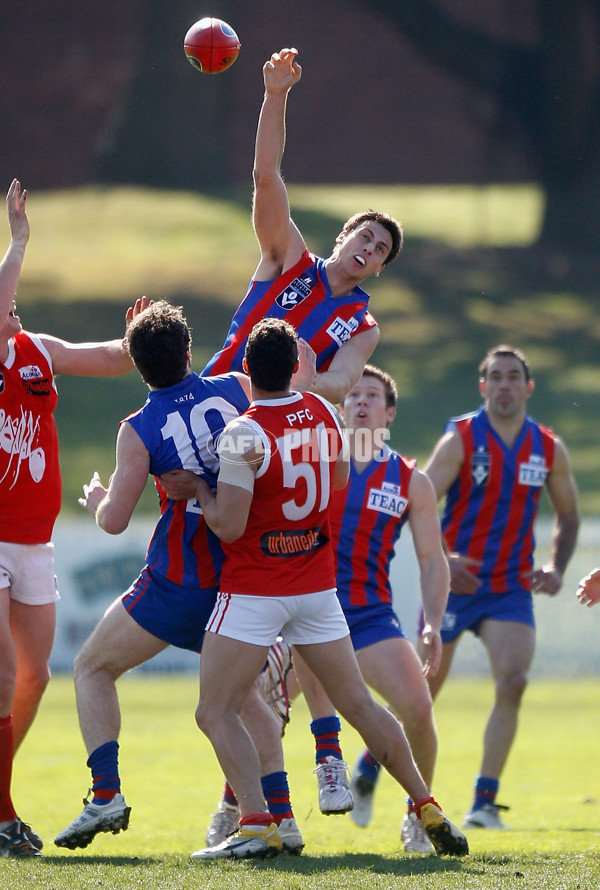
(286, 548)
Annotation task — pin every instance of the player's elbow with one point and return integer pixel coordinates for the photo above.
(112, 524)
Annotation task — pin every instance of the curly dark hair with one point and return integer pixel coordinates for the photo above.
(159, 340)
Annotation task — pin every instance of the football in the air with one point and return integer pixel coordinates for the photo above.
(211, 46)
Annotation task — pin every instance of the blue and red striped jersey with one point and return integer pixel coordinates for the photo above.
(366, 519)
(492, 505)
(179, 426)
(302, 297)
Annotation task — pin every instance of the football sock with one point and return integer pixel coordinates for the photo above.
(256, 821)
(367, 766)
(104, 764)
(229, 796)
(485, 791)
(7, 811)
(277, 795)
(326, 732)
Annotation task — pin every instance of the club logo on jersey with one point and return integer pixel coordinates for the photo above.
(297, 291)
(292, 543)
(18, 438)
(534, 473)
(341, 330)
(480, 466)
(387, 500)
(34, 381)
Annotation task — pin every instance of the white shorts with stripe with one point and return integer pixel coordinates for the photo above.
(302, 619)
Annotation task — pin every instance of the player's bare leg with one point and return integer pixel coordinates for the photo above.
(33, 630)
(335, 664)
(510, 646)
(116, 645)
(222, 695)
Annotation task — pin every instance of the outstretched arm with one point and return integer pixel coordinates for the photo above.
(281, 244)
(10, 267)
(106, 359)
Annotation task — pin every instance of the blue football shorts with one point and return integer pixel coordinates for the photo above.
(175, 614)
(467, 611)
(372, 624)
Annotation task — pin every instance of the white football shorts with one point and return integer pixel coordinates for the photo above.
(28, 570)
(302, 619)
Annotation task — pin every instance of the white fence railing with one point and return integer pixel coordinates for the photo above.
(93, 568)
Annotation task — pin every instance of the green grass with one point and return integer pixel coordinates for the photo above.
(171, 780)
(468, 278)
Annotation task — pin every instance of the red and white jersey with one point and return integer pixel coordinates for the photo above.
(30, 483)
(286, 548)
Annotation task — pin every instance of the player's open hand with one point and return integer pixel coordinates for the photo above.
(588, 592)
(93, 493)
(16, 198)
(140, 304)
(306, 374)
(462, 578)
(282, 71)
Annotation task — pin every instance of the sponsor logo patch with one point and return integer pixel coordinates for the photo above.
(34, 381)
(292, 543)
(387, 500)
(533, 473)
(341, 330)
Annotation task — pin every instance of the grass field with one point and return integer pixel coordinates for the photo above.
(171, 780)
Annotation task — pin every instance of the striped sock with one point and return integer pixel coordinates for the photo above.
(229, 796)
(104, 764)
(277, 795)
(326, 732)
(486, 790)
(367, 766)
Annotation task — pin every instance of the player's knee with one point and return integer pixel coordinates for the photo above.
(512, 686)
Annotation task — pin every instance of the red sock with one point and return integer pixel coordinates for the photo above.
(259, 819)
(416, 806)
(7, 811)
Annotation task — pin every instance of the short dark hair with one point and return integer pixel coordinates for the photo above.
(159, 340)
(504, 349)
(393, 226)
(271, 354)
(389, 384)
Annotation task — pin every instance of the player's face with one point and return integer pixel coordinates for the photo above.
(12, 324)
(364, 250)
(505, 389)
(365, 406)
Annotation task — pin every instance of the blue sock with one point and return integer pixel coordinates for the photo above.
(486, 790)
(367, 766)
(326, 731)
(277, 795)
(104, 764)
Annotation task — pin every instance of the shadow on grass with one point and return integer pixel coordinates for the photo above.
(307, 865)
(78, 861)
